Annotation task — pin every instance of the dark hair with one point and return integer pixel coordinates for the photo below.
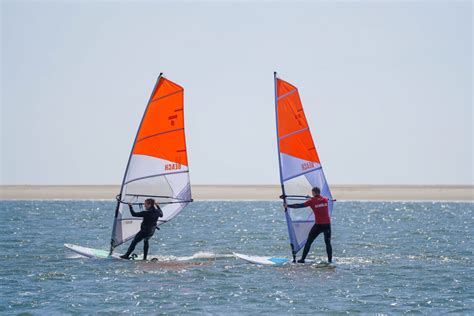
(316, 190)
(150, 201)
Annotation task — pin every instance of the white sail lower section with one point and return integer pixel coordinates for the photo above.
(142, 166)
(148, 177)
(292, 166)
(298, 190)
(126, 228)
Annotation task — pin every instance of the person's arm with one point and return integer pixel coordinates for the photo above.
(297, 205)
(135, 214)
(160, 211)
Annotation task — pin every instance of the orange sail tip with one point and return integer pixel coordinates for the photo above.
(284, 87)
(165, 88)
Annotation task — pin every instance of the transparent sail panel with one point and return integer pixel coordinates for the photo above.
(298, 190)
(171, 192)
(157, 188)
(317, 179)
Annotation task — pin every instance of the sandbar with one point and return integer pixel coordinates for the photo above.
(248, 192)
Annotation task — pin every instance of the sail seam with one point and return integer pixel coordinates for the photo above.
(157, 196)
(156, 175)
(303, 173)
(171, 131)
(167, 95)
(287, 94)
(295, 132)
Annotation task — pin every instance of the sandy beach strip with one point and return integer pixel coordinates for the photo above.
(248, 192)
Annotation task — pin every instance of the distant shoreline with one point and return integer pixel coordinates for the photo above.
(248, 192)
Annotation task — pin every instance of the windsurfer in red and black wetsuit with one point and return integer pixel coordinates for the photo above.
(319, 204)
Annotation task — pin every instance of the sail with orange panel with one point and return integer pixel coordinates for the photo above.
(158, 164)
(300, 166)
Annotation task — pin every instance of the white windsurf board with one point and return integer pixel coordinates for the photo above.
(91, 252)
(278, 261)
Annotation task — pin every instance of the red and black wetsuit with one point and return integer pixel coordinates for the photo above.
(319, 205)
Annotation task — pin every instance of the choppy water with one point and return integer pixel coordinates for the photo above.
(391, 258)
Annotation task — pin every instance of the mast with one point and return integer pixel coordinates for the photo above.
(288, 220)
(119, 196)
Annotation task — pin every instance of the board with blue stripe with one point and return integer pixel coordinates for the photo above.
(279, 261)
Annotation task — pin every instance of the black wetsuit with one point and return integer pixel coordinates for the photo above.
(148, 227)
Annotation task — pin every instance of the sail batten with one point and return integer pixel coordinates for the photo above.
(157, 167)
(158, 134)
(165, 96)
(294, 133)
(156, 175)
(287, 94)
(299, 163)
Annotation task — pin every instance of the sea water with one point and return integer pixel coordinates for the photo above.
(391, 258)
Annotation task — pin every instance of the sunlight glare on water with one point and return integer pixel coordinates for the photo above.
(390, 257)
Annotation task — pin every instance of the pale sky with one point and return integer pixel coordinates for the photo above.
(386, 87)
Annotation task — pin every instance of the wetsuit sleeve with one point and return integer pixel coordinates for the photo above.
(135, 214)
(160, 211)
(299, 205)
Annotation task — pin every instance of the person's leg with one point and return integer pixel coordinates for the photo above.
(145, 248)
(146, 243)
(313, 233)
(327, 240)
(135, 241)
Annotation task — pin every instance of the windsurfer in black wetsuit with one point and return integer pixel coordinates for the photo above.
(148, 227)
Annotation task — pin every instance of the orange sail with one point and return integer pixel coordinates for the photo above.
(161, 134)
(295, 136)
(300, 166)
(158, 163)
